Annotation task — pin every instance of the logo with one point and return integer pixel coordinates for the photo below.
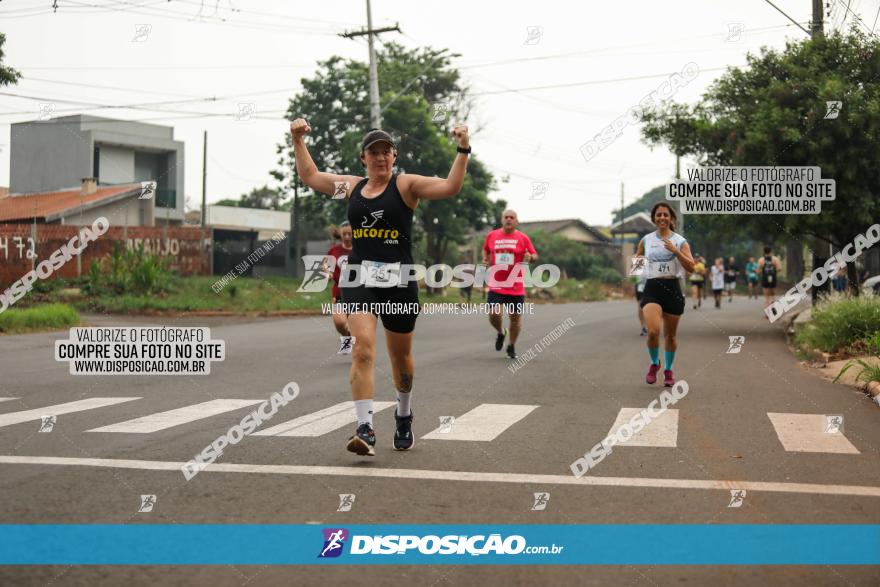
(147, 503)
(46, 111)
(541, 500)
(441, 111)
(334, 542)
(735, 32)
(148, 188)
(533, 35)
(346, 343)
(539, 190)
(346, 500)
(376, 216)
(318, 271)
(737, 496)
(736, 344)
(47, 424)
(340, 190)
(446, 424)
(141, 32)
(637, 265)
(834, 424)
(832, 109)
(246, 110)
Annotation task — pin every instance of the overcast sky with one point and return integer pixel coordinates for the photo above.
(607, 55)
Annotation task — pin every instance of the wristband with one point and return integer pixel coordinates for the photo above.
(465, 151)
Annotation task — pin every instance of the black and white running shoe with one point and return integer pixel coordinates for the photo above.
(499, 340)
(363, 442)
(511, 352)
(403, 436)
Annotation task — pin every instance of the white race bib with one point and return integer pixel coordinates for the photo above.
(662, 268)
(378, 274)
(504, 258)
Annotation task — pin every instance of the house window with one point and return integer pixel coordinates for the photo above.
(96, 164)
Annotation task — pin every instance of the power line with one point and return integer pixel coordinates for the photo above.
(592, 82)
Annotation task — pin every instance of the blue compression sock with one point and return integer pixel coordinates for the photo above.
(670, 357)
(654, 352)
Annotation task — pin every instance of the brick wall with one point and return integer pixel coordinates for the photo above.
(19, 251)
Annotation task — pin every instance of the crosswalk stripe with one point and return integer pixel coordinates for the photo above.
(520, 479)
(483, 423)
(806, 433)
(661, 431)
(171, 418)
(320, 422)
(60, 409)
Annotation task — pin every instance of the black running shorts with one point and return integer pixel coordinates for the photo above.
(667, 293)
(397, 307)
(513, 304)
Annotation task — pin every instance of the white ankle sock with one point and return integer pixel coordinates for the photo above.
(364, 409)
(403, 403)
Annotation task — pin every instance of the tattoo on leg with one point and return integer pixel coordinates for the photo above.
(406, 381)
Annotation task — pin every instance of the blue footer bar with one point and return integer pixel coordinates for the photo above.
(524, 544)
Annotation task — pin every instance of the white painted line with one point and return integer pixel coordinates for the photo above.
(7, 399)
(483, 423)
(320, 422)
(468, 476)
(171, 418)
(662, 431)
(60, 409)
(806, 433)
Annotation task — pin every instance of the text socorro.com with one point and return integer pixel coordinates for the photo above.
(446, 545)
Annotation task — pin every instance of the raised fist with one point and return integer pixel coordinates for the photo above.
(460, 132)
(299, 127)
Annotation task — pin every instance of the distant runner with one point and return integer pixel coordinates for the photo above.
(340, 252)
(752, 277)
(507, 247)
(768, 266)
(669, 256)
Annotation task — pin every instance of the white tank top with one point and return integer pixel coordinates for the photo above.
(661, 262)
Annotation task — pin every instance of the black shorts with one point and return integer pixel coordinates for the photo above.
(767, 284)
(699, 284)
(638, 296)
(667, 293)
(513, 304)
(397, 307)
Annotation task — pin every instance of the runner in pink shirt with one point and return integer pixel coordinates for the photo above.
(504, 249)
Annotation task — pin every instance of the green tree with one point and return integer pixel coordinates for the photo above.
(263, 197)
(8, 76)
(572, 258)
(773, 113)
(335, 101)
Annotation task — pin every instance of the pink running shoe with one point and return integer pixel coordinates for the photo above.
(651, 377)
(668, 379)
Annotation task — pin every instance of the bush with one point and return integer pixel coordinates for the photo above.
(129, 270)
(49, 316)
(841, 322)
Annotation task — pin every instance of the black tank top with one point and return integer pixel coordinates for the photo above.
(381, 226)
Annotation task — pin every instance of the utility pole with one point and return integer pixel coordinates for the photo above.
(204, 176)
(375, 111)
(816, 28)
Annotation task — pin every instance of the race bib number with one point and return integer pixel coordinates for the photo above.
(662, 268)
(504, 258)
(378, 274)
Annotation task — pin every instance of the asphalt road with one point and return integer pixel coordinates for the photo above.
(576, 387)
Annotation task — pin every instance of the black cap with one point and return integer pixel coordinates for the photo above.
(376, 136)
